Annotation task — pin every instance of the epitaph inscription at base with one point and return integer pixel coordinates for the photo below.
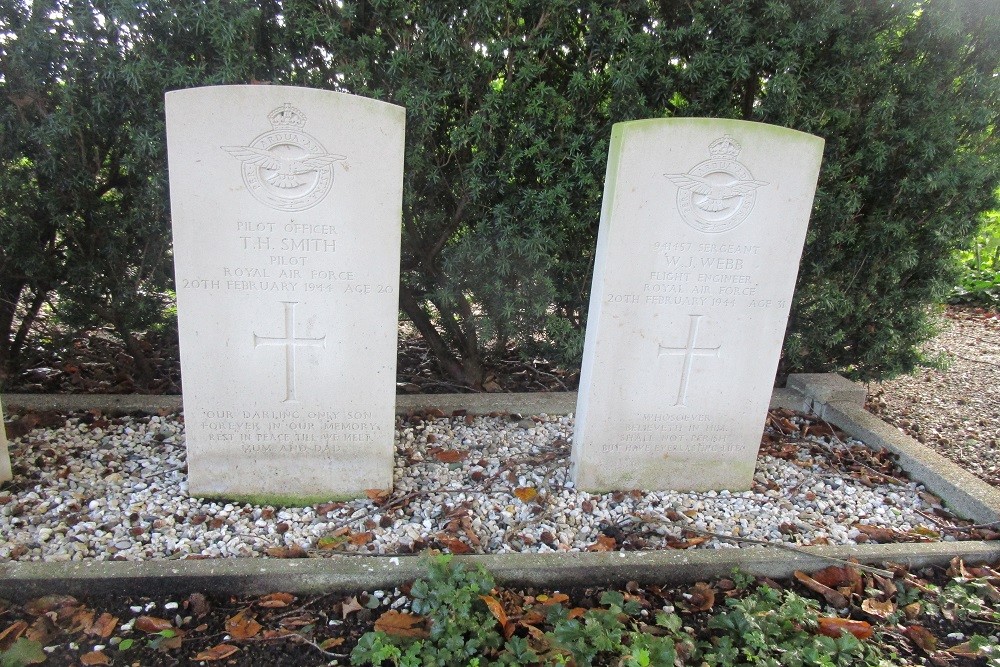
(286, 207)
(5, 472)
(701, 232)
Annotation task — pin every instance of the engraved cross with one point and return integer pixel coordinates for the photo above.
(290, 342)
(689, 352)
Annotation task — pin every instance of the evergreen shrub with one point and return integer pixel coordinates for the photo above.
(509, 113)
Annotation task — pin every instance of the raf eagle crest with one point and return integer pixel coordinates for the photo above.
(718, 194)
(286, 168)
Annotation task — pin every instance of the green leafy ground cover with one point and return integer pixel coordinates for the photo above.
(842, 615)
(979, 280)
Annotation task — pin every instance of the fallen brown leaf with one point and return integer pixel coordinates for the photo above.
(103, 626)
(833, 597)
(332, 642)
(451, 456)
(277, 634)
(377, 496)
(47, 603)
(401, 624)
(878, 534)
(878, 608)
(77, 620)
(965, 650)
(294, 551)
(242, 626)
(835, 577)
(218, 652)
(603, 543)
(496, 608)
(276, 600)
(297, 621)
(95, 658)
(701, 597)
(358, 539)
(349, 606)
(526, 493)
(532, 617)
(833, 626)
(922, 637)
(455, 546)
(11, 634)
(151, 624)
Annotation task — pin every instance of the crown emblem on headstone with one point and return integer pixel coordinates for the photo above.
(287, 116)
(285, 168)
(718, 194)
(725, 148)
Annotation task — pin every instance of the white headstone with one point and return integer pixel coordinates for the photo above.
(701, 232)
(286, 206)
(5, 473)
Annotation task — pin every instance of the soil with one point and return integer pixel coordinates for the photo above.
(282, 629)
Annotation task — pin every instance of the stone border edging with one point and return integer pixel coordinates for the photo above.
(830, 396)
(553, 403)
(841, 402)
(347, 574)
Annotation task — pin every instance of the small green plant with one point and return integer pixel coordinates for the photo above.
(780, 629)
(979, 280)
(603, 633)
(461, 627)
(966, 600)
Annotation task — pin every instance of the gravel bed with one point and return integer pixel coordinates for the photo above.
(955, 409)
(117, 489)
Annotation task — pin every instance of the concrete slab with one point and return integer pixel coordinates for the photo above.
(823, 388)
(345, 574)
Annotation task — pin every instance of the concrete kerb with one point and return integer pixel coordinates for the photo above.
(831, 398)
(347, 574)
(826, 395)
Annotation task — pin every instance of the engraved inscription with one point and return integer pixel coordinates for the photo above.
(291, 431)
(689, 352)
(718, 194)
(290, 343)
(286, 168)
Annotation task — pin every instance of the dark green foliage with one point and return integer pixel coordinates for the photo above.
(779, 629)
(509, 112)
(83, 192)
(461, 627)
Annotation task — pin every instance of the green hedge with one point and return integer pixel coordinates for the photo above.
(509, 111)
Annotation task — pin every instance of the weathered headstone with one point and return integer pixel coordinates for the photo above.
(5, 473)
(286, 206)
(701, 232)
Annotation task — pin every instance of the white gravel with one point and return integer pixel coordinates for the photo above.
(120, 492)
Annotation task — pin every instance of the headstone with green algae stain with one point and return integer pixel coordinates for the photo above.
(701, 232)
(286, 206)
(5, 472)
